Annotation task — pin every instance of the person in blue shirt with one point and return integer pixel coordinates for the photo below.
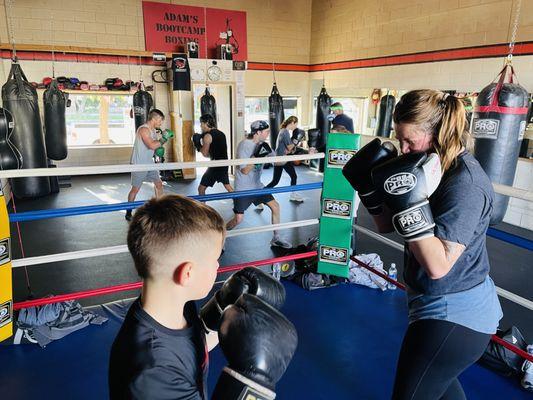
(437, 196)
(340, 118)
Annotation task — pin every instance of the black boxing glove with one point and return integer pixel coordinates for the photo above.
(406, 184)
(262, 150)
(248, 280)
(197, 140)
(358, 172)
(258, 342)
(297, 136)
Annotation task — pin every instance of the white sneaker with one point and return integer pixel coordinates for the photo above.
(527, 367)
(260, 207)
(296, 197)
(278, 242)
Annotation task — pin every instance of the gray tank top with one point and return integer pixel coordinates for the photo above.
(142, 154)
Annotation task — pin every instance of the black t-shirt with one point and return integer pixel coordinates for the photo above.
(218, 150)
(149, 361)
(461, 207)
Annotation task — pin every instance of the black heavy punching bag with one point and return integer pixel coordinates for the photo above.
(498, 126)
(276, 115)
(208, 104)
(386, 108)
(142, 104)
(55, 127)
(323, 105)
(20, 98)
(10, 157)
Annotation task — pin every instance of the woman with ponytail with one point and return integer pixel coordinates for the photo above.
(452, 301)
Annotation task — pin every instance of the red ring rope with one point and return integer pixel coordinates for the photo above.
(230, 268)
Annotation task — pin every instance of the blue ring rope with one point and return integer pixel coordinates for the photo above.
(510, 238)
(84, 210)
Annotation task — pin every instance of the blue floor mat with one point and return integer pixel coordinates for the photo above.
(349, 339)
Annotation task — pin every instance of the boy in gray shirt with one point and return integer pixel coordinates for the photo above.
(248, 177)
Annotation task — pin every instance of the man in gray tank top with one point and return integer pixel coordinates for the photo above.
(146, 142)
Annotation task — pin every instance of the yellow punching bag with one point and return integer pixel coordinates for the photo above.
(6, 293)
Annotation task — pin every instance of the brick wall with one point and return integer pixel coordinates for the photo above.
(347, 29)
(277, 30)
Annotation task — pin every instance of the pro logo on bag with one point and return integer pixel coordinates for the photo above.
(412, 221)
(6, 313)
(337, 208)
(336, 255)
(337, 158)
(400, 183)
(485, 128)
(251, 394)
(4, 251)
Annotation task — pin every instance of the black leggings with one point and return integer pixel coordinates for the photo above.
(434, 353)
(278, 170)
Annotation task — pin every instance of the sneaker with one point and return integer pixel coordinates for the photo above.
(278, 242)
(260, 207)
(527, 367)
(128, 215)
(296, 197)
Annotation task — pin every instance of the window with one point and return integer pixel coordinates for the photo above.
(354, 107)
(257, 108)
(100, 119)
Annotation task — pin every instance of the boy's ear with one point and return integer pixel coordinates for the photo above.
(183, 273)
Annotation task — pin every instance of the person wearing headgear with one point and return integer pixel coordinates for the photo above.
(439, 199)
(147, 144)
(338, 117)
(248, 177)
(289, 138)
(212, 143)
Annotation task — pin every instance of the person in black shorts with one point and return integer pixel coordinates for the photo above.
(212, 143)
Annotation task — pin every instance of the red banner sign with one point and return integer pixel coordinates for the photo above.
(169, 27)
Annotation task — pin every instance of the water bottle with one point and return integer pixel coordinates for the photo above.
(393, 274)
(276, 271)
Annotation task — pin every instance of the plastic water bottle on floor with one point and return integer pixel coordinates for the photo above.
(393, 274)
(276, 271)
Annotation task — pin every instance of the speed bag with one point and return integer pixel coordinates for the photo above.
(386, 108)
(208, 105)
(55, 127)
(142, 104)
(498, 126)
(276, 115)
(20, 99)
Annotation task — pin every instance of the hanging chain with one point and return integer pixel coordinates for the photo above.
(205, 46)
(513, 34)
(274, 72)
(8, 6)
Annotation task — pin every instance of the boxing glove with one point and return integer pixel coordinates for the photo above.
(197, 140)
(160, 152)
(297, 136)
(358, 170)
(406, 183)
(166, 135)
(258, 342)
(262, 150)
(248, 280)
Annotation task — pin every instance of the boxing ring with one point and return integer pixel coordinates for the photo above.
(349, 336)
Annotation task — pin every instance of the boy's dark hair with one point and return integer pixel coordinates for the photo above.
(159, 222)
(155, 112)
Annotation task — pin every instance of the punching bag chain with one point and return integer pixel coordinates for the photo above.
(274, 72)
(515, 29)
(8, 6)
